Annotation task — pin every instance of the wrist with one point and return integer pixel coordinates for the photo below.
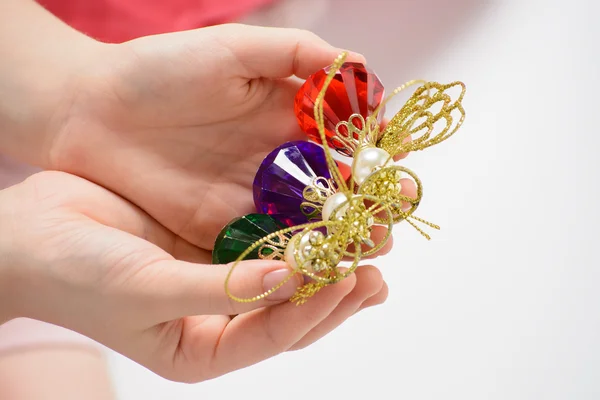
(38, 77)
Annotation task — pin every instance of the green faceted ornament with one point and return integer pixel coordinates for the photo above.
(242, 232)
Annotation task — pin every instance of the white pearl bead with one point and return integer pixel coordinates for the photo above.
(332, 203)
(291, 247)
(367, 161)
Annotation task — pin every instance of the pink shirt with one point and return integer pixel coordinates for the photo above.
(117, 21)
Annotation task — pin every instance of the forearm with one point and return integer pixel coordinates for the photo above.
(39, 58)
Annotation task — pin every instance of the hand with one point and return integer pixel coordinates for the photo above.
(179, 123)
(79, 256)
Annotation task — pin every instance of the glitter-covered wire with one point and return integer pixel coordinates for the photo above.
(418, 119)
(319, 118)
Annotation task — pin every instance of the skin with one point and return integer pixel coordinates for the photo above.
(54, 372)
(151, 148)
(95, 263)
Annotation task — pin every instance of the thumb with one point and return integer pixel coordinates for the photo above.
(268, 52)
(184, 289)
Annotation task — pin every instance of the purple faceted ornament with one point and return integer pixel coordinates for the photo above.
(282, 178)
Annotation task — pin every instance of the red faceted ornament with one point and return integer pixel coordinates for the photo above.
(355, 89)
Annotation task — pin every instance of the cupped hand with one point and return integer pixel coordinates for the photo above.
(79, 256)
(179, 123)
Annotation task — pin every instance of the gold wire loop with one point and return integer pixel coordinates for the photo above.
(354, 133)
(420, 120)
(319, 118)
(382, 185)
(315, 195)
(273, 248)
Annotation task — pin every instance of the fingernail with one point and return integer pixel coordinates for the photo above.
(274, 278)
(355, 57)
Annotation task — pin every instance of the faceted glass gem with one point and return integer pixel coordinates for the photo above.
(240, 234)
(282, 177)
(355, 89)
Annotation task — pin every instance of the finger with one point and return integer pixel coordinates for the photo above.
(180, 289)
(264, 333)
(409, 189)
(109, 209)
(185, 251)
(369, 283)
(377, 299)
(278, 52)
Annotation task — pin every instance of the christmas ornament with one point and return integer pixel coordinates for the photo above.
(431, 115)
(292, 183)
(327, 219)
(242, 232)
(354, 90)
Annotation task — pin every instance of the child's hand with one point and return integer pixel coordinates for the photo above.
(79, 256)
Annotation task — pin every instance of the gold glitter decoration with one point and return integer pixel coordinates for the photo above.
(377, 200)
(273, 248)
(306, 292)
(419, 119)
(385, 185)
(315, 195)
(354, 133)
(354, 216)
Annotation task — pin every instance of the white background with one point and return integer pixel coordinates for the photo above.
(503, 303)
